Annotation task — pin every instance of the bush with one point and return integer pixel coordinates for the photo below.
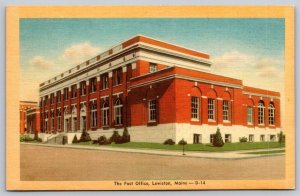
(102, 140)
(218, 140)
(65, 140)
(125, 136)
(116, 138)
(281, 138)
(182, 142)
(95, 141)
(36, 136)
(39, 140)
(169, 142)
(75, 140)
(25, 138)
(85, 137)
(243, 139)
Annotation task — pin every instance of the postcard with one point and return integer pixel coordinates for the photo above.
(150, 97)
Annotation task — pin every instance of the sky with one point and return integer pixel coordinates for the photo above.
(247, 49)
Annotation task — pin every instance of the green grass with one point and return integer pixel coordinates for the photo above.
(266, 152)
(196, 147)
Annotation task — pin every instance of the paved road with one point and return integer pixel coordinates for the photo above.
(51, 163)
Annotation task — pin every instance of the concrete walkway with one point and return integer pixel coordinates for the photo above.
(196, 154)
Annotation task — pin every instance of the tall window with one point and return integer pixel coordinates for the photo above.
(104, 79)
(83, 88)
(52, 120)
(105, 113)
(195, 108)
(58, 96)
(226, 110)
(52, 98)
(211, 109)
(46, 121)
(46, 101)
(93, 106)
(250, 115)
(271, 110)
(152, 67)
(93, 85)
(58, 119)
(118, 76)
(152, 111)
(118, 112)
(66, 93)
(261, 113)
(74, 91)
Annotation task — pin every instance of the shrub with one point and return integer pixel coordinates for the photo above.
(281, 138)
(95, 141)
(116, 138)
(65, 140)
(39, 140)
(85, 137)
(25, 138)
(75, 140)
(125, 136)
(169, 142)
(218, 140)
(182, 142)
(102, 140)
(36, 136)
(243, 139)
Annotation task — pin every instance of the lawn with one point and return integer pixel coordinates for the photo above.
(266, 152)
(197, 147)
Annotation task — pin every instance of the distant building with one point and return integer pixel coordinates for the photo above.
(24, 106)
(157, 90)
(33, 120)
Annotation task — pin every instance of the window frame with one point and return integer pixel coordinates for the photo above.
(93, 85)
(105, 113)
(152, 109)
(73, 91)
(152, 67)
(226, 111)
(227, 138)
(83, 88)
(66, 94)
(105, 81)
(271, 114)
(261, 113)
(118, 107)
(195, 108)
(93, 113)
(249, 116)
(211, 110)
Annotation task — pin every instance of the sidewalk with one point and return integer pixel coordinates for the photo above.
(194, 154)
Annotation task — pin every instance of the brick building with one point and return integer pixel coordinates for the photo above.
(33, 120)
(158, 91)
(24, 106)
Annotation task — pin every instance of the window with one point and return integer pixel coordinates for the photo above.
(118, 112)
(83, 88)
(272, 138)
(46, 101)
(262, 138)
(195, 108)
(93, 106)
(104, 81)
(271, 111)
(52, 98)
(250, 115)
(66, 93)
(52, 120)
(118, 76)
(251, 138)
(46, 122)
(227, 138)
(58, 96)
(152, 111)
(105, 113)
(152, 67)
(212, 136)
(58, 119)
(261, 113)
(211, 109)
(74, 91)
(197, 138)
(225, 110)
(93, 85)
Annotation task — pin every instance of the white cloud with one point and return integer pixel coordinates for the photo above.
(41, 62)
(80, 52)
(255, 71)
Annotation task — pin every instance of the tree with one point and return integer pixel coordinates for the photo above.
(116, 138)
(85, 136)
(183, 143)
(218, 140)
(75, 140)
(125, 136)
(281, 138)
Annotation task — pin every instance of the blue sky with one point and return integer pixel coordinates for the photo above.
(238, 44)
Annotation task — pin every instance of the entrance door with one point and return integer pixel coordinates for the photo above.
(74, 123)
(66, 125)
(83, 123)
(197, 139)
